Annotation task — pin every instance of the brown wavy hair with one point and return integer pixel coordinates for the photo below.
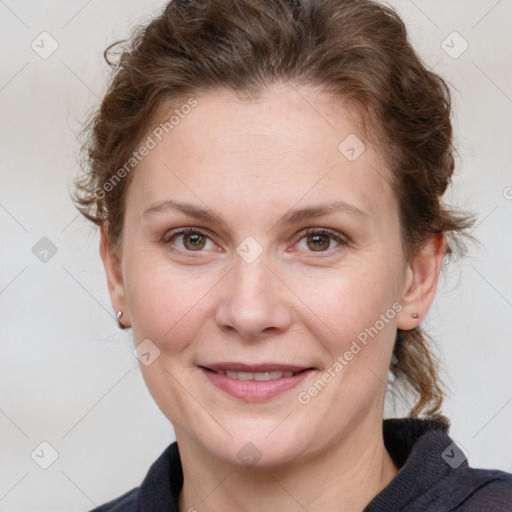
(356, 51)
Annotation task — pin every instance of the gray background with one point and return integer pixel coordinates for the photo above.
(68, 376)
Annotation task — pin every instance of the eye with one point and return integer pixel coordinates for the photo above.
(320, 240)
(313, 240)
(189, 239)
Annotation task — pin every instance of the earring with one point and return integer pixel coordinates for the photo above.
(415, 315)
(119, 315)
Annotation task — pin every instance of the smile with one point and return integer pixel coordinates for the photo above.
(254, 383)
(259, 376)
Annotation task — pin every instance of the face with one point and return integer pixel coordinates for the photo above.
(255, 247)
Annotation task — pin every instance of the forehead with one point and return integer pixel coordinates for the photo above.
(286, 144)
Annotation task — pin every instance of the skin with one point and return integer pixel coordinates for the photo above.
(251, 162)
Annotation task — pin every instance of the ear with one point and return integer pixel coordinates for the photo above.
(112, 264)
(421, 283)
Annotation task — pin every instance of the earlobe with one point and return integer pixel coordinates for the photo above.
(114, 276)
(421, 283)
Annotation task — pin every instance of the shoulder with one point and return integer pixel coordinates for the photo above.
(489, 490)
(128, 502)
(158, 491)
(435, 475)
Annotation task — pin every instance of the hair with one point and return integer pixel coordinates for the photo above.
(356, 51)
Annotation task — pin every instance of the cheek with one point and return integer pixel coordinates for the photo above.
(345, 305)
(165, 304)
(170, 305)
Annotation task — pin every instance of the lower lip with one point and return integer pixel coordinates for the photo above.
(254, 390)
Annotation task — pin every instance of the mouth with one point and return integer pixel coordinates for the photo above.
(254, 382)
(259, 376)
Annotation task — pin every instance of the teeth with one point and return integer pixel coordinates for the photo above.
(260, 376)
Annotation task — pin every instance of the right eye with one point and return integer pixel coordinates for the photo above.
(189, 240)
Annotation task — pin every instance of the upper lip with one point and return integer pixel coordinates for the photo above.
(254, 368)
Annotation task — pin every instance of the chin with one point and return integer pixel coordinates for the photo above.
(261, 454)
(256, 443)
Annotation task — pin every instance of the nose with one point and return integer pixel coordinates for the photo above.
(253, 301)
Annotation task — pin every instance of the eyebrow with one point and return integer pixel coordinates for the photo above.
(291, 217)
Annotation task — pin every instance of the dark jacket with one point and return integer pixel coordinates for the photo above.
(434, 476)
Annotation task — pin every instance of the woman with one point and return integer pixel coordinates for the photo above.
(267, 177)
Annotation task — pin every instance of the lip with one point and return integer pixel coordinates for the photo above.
(253, 390)
(254, 368)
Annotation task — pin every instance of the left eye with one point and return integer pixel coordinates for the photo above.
(320, 241)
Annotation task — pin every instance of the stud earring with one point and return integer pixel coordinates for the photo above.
(415, 315)
(119, 315)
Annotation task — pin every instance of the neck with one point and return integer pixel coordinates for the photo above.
(345, 477)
